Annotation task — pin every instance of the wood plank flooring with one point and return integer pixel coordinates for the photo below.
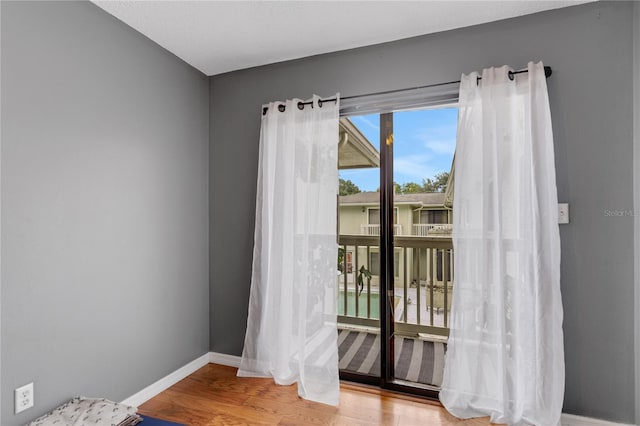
(213, 395)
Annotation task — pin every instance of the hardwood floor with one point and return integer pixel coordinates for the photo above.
(213, 395)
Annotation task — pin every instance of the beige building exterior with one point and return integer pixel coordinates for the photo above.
(416, 215)
(423, 250)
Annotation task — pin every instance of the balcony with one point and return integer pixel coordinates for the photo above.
(432, 229)
(375, 229)
(420, 306)
(423, 283)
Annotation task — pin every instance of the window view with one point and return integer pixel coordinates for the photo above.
(423, 148)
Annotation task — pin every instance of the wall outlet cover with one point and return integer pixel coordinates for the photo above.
(24, 397)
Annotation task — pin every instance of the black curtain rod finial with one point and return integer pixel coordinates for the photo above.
(547, 72)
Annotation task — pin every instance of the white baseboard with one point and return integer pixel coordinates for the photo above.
(573, 420)
(224, 359)
(234, 361)
(171, 379)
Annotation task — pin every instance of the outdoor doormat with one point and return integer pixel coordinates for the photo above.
(416, 360)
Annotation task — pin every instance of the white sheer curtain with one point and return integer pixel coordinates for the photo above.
(292, 324)
(505, 356)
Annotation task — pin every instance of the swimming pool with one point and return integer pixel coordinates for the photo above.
(362, 305)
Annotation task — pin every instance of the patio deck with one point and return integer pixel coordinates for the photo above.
(416, 360)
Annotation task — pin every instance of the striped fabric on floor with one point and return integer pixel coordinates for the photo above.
(418, 361)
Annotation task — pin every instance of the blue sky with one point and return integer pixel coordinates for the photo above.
(423, 144)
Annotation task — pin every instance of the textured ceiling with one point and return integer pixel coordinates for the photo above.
(221, 36)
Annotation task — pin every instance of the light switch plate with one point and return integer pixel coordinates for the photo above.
(563, 213)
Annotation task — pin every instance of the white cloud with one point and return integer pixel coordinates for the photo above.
(442, 146)
(439, 140)
(414, 167)
(365, 120)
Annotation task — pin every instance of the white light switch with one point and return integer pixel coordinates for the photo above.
(563, 213)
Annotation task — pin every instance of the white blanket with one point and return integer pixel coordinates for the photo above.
(81, 411)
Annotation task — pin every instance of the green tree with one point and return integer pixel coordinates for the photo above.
(437, 184)
(412, 188)
(397, 188)
(347, 187)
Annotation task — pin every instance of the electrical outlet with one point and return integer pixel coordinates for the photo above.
(24, 397)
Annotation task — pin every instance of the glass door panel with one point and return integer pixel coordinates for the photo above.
(359, 249)
(423, 147)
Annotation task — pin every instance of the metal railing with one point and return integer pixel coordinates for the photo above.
(423, 269)
(432, 229)
(375, 229)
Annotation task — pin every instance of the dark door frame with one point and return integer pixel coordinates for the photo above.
(387, 323)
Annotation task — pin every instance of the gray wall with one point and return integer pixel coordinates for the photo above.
(636, 192)
(104, 207)
(589, 48)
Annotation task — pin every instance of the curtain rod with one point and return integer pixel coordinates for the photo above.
(547, 73)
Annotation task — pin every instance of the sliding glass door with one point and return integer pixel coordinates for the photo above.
(397, 252)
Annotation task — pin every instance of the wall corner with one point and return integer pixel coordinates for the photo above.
(636, 197)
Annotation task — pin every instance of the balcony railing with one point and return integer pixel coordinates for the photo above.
(375, 229)
(423, 283)
(432, 229)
